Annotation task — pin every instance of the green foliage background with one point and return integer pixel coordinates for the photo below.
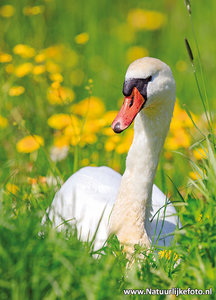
(40, 263)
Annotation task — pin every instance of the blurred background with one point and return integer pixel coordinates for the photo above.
(62, 67)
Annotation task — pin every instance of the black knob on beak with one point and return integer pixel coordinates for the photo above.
(117, 128)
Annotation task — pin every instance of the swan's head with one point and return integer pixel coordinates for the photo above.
(149, 83)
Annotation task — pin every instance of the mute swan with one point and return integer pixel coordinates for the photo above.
(127, 203)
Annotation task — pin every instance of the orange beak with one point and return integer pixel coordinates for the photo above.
(130, 108)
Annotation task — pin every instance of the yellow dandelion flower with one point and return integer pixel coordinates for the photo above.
(5, 58)
(75, 123)
(91, 107)
(32, 181)
(92, 126)
(181, 139)
(178, 136)
(52, 67)
(37, 70)
(77, 77)
(23, 69)
(122, 148)
(109, 146)
(175, 124)
(109, 117)
(7, 11)
(42, 179)
(111, 143)
(9, 68)
(74, 139)
(101, 122)
(3, 122)
(29, 143)
(74, 128)
(61, 141)
(24, 51)
(125, 144)
(89, 138)
(56, 85)
(161, 253)
(83, 135)
(170, 144)
(56, 77)
(167, 254)
(199, 218)
(145, 19)
(129, 135)
(59, 121)
(73, 131)
(136, 52)
(194, 175)
(39, 58)
(200, 153)
(53, 51)
(16, 90)
(56, 52)
(11, 188)
(82, 38)
(182, 117)
(60, 95)
(108, 131)
(33, 10)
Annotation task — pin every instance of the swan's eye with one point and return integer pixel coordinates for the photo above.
(149, 78)
(131, 102)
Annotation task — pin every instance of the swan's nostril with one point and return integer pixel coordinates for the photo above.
(131, 102)
(117, 128)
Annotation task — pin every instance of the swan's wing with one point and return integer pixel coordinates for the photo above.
(85, 198)
(164, 218)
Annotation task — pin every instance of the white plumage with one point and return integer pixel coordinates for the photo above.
(89, 195)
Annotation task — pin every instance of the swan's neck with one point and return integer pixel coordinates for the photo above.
(129, 218)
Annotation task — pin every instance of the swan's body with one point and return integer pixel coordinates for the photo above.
(128, 203)
(93, 190)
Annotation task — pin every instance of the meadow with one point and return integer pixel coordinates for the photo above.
(62, 66)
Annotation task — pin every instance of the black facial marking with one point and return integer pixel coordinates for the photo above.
(139, 83)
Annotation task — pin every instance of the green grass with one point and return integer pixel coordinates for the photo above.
(37, 262)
